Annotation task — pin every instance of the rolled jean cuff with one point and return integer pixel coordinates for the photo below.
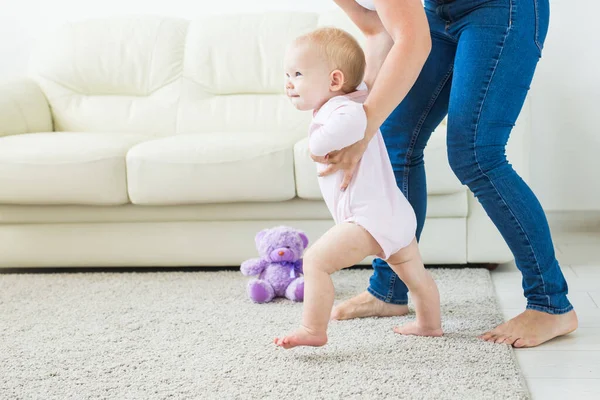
(550, 310)
(385, 298)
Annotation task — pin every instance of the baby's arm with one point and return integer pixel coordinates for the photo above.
(345, 126)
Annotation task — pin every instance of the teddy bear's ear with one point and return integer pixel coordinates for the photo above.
(304, 239)
(259, 236)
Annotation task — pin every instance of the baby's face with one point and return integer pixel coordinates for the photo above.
(307, 77)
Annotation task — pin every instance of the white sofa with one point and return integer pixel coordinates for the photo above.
(148, 141)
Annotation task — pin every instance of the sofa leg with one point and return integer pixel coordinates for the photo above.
(488, 266)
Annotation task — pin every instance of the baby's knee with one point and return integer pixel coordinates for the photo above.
(312, 263)
(406, 254)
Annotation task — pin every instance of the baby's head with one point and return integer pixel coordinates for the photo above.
(322, 64)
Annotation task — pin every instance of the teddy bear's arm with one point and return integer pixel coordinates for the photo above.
(253, 266)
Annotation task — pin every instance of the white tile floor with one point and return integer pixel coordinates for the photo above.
(567, 367)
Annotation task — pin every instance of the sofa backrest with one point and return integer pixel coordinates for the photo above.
(164, 76)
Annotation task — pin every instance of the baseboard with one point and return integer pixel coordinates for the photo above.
(574, 221)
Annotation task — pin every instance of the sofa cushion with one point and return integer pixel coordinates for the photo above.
(64, 168)
(307, 184)
(113, 74)
(208, 168)
(440, 178)
(163, 75)
(442, 206)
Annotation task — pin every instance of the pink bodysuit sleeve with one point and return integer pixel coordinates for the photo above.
(345, 126)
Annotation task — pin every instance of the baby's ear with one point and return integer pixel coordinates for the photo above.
(337, 80)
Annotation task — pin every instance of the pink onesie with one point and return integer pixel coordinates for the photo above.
(373, 199)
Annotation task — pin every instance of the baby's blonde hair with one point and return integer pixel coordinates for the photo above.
(342, 51)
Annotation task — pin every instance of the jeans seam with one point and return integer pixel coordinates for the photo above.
(417, 130)
(390, 294)
(537, 26)
(508, 29)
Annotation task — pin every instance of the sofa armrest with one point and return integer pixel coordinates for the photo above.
(23, 108)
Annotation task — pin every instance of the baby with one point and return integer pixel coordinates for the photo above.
(324, 71)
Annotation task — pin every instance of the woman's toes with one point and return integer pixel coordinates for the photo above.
(503, 339)
(486, 336)
(510, 340)
(491, 338)
(520, 343)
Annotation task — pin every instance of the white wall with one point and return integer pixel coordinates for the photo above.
(22, 21)
(565, 93)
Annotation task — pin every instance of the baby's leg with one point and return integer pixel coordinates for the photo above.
(342, 246)
(407, 263)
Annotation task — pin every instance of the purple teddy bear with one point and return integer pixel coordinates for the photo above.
(279, 266)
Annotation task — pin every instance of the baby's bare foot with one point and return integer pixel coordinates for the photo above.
(532, 328)
(412, 328)
(366, 305)
(302, 337)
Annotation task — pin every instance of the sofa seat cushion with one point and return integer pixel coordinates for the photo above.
(440, 178)
(210, 168)
(442, 206)
(65, 168)
(296, 208)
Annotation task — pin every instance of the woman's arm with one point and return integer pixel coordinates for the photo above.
(376, 50)
(406, 23)
(402, 27)
(378, 40)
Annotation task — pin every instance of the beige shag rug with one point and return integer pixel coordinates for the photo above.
(195, 335)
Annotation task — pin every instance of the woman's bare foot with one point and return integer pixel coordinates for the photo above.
(412, 328)
(532, 328)
(366, 305)
(302, 337)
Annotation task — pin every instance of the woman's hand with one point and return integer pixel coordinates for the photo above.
(345, 159)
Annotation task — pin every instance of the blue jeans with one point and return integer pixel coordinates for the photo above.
(482, 61)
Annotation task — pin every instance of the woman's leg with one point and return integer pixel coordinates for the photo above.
(494, 67)
(406, 133)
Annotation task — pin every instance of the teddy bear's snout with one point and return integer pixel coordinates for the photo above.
(282, 254)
